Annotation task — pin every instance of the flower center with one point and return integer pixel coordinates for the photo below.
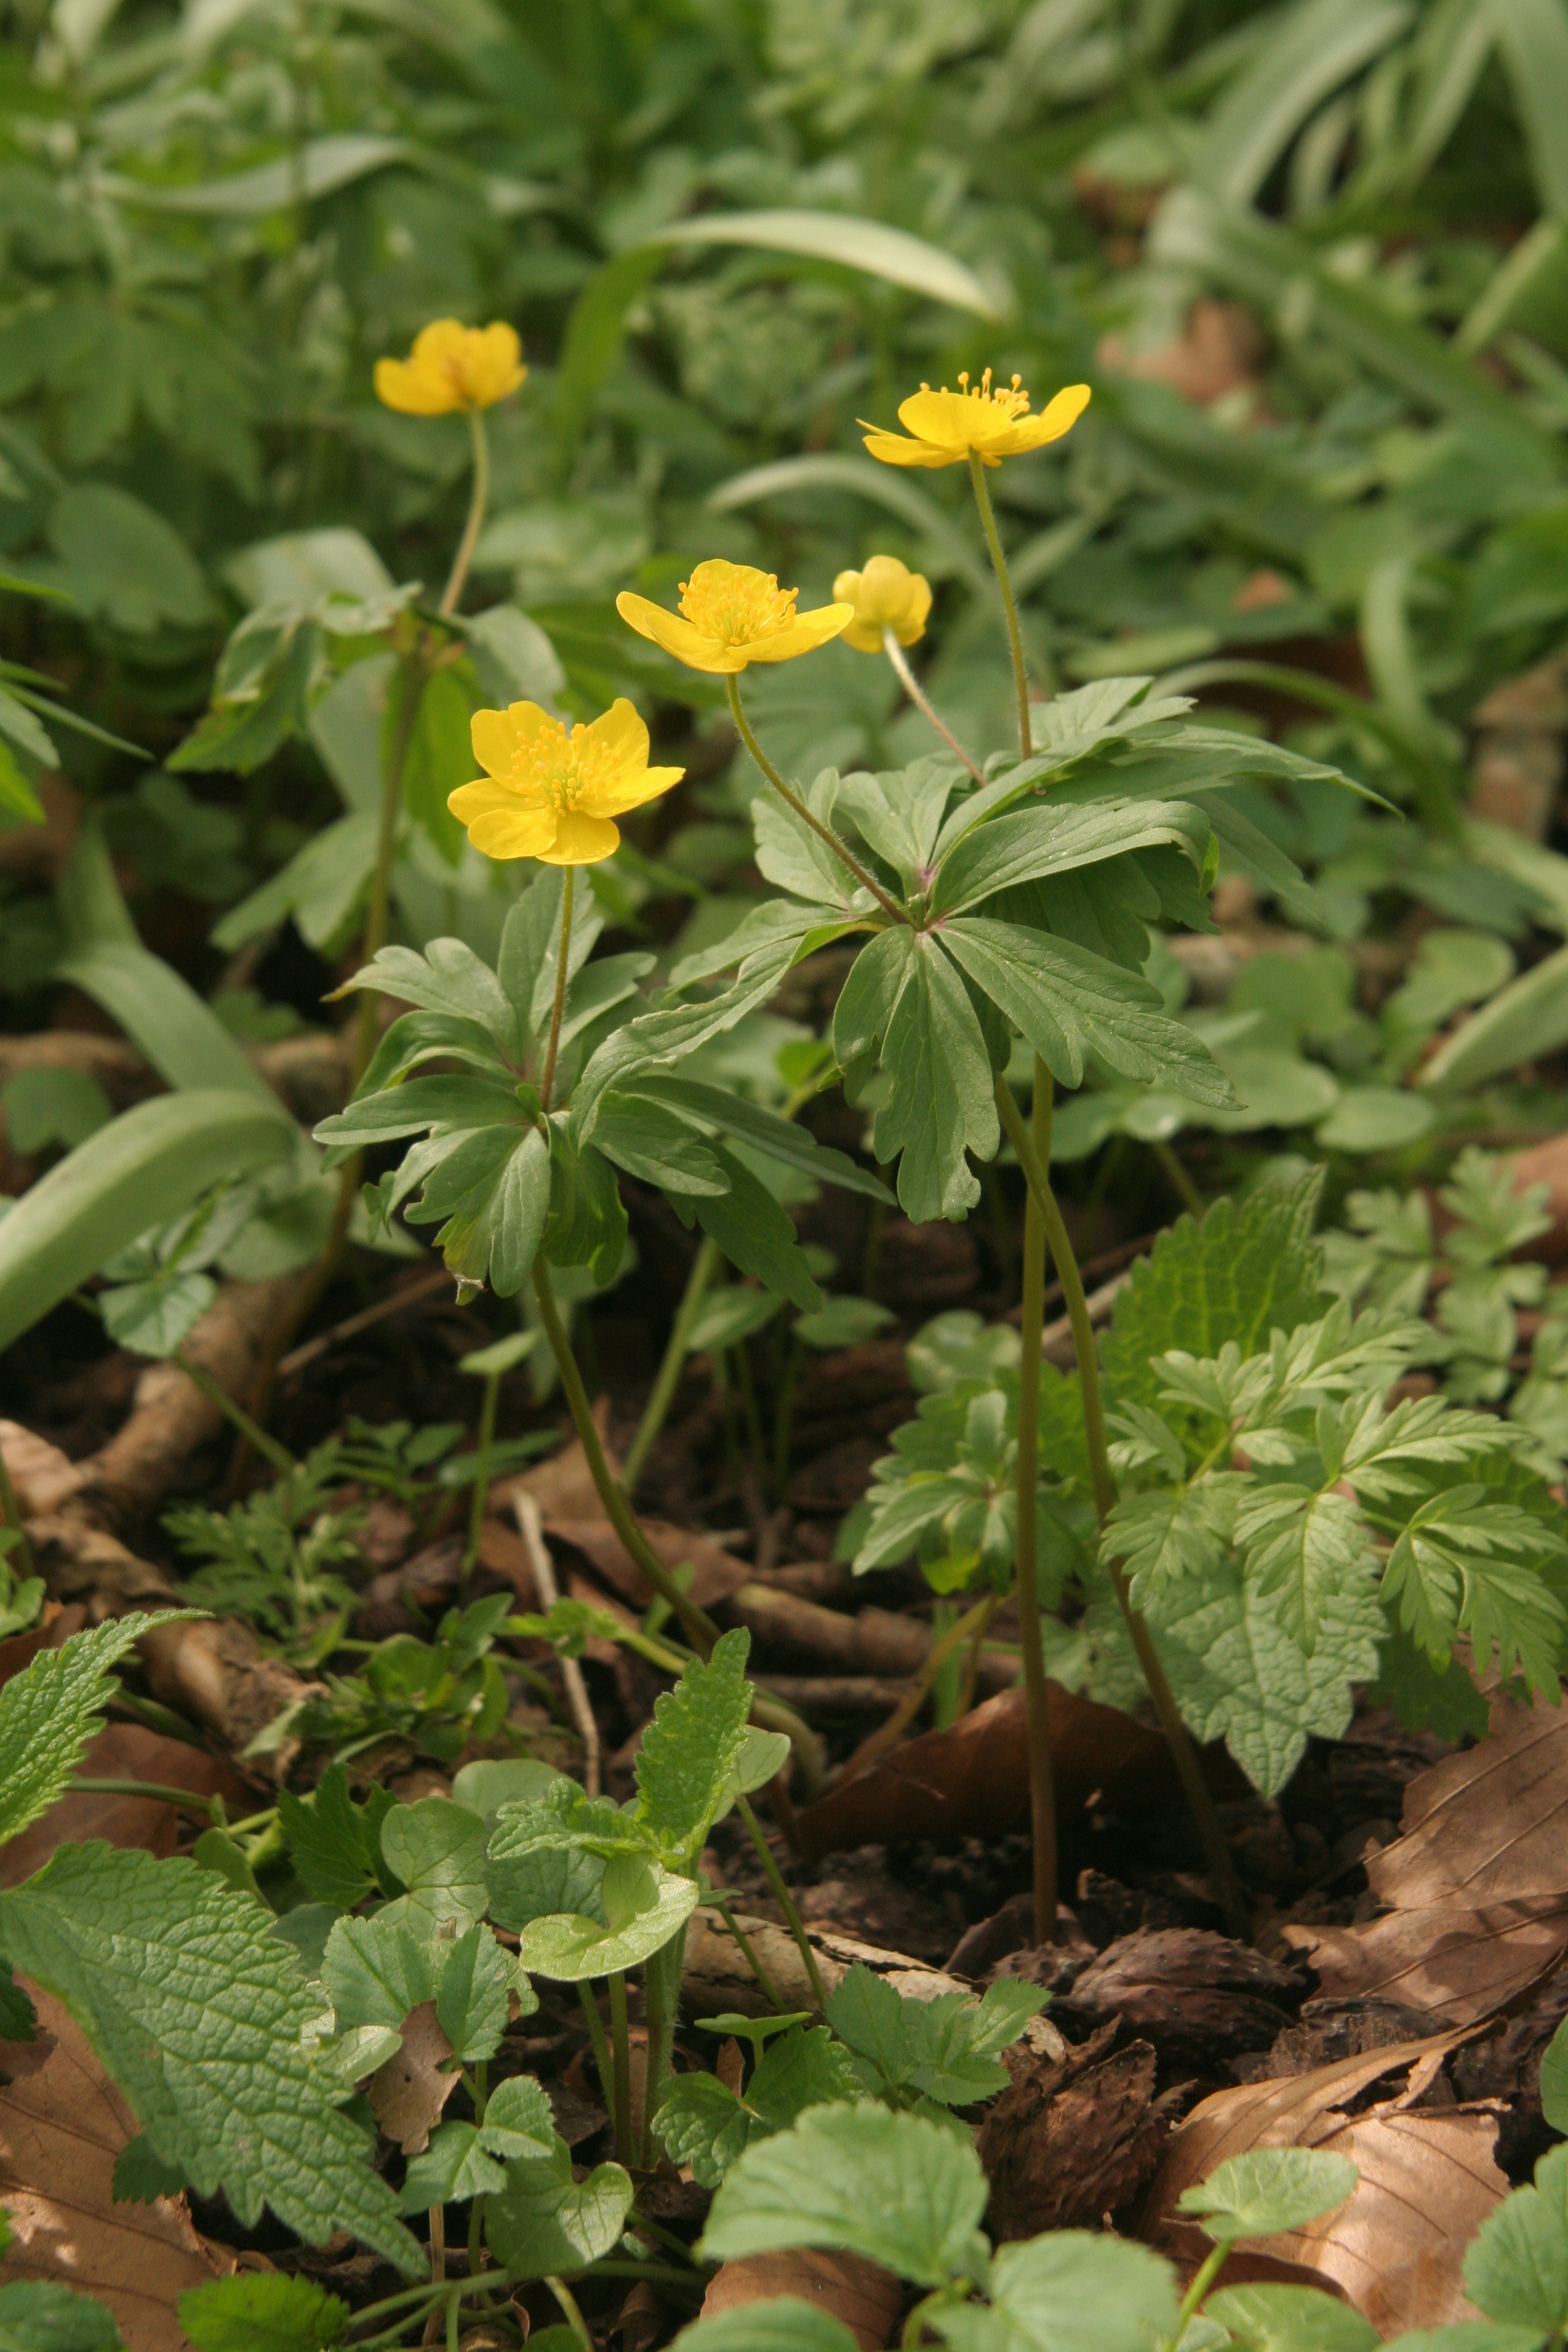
(559, 768)
(739, 609)
(1011, 399)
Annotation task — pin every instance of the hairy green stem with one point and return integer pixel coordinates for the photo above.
(568, 2302)
(604, 2064)
(621, 2066)
(456, 579)
(661, 1984)
(1009, 603)
(923, 704)
(1182, 1754)
(255, 1436)
(1202, 2278)
(185, 1801)
(704, 1265)
(785, 1901)
(1179, 1179)
(563, 958)
(1037, 1702)
(411, 677)
(846, 857)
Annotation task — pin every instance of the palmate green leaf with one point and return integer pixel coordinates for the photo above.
(465, 2159)
(941, 1102)
(333, 1843)
(701, 2125)
(903, 2192)
(1516, 2268)
(653, 1142)
(263, 2311)
(1276, 2318)
(1305, 1546)
(1069, 1004)
(1238, 1677)
(544, 2221)
(1243, 1273)
(757, 1235)
(1466, 1564)
(775, 2323)
(37, 2315)
(749, 1123)
(471, 2006)
(437, 1849)
(1068, 2291)
(1269, 2189)
(644, 1906)
(375, 1971)
(490, 1196)
(687, 1758)
(1029, 843)
(51, 1710)
(1170, 1534)
(200, 2012)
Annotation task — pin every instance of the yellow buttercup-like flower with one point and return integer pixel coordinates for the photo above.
(452, 366)
(733, 615)
(885, 596)
(554, 795)
(944, 427)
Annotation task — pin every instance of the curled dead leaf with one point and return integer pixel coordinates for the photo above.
(867, 2299)
(410, 2091)
(973, 1778)
(62, 2125)
(1427, 2182)
(1476, 1884)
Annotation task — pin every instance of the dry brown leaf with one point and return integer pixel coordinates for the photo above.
(867, 2300)
(62, 2123)
(410, 2091)
(1477, 1883)
(1427, 2182)
(42, 1477)
(973, 1778)
(121, 1751)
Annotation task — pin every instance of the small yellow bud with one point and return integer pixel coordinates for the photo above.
(885, 596)
(452, 366)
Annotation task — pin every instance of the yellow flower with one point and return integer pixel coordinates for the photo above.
(946, 426)
(733, 615)
(452, 366)
(548, 794)
(885, 596)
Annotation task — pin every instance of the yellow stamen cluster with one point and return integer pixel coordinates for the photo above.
(738, 606)
(1011, 399)
(562, 767)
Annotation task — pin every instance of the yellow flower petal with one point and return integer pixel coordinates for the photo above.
(622, 732)
(894, 450)
(885, 596)
(498, 736)
(498, 823)
(398, 385)
(629, 791)
(581, 840)
(675, 636)
(1057, 418)
(809, 631)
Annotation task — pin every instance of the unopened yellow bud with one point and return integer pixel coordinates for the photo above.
(885, 596)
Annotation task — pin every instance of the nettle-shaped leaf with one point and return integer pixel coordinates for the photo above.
(1027, 905)
(503, 1182)
(632, 1869)
(929, 2055)
(948, 1491)
(1287, 1533)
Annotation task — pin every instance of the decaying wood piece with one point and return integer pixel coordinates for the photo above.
(1196, 1996)
(716, 1978)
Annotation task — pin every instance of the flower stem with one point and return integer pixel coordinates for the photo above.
(456, 579)
(1203, 2277)
(894, 912)
(568, 2302)
(255, 1436)
(1036, 1703)
(785, 1901)
(410, 688)
(622, 2066)
(662, 1394)
(695, 1623)
(918, 697)
(185, 1800)
(603, 2060)
(1182, 1754)
(765, 1984)
(552, 1048)
(1009, 603)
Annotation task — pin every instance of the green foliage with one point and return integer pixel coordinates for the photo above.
(51, 1710)
(1269, 2190)
(37, 2315)
(262, 2312)
(200, 2013)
